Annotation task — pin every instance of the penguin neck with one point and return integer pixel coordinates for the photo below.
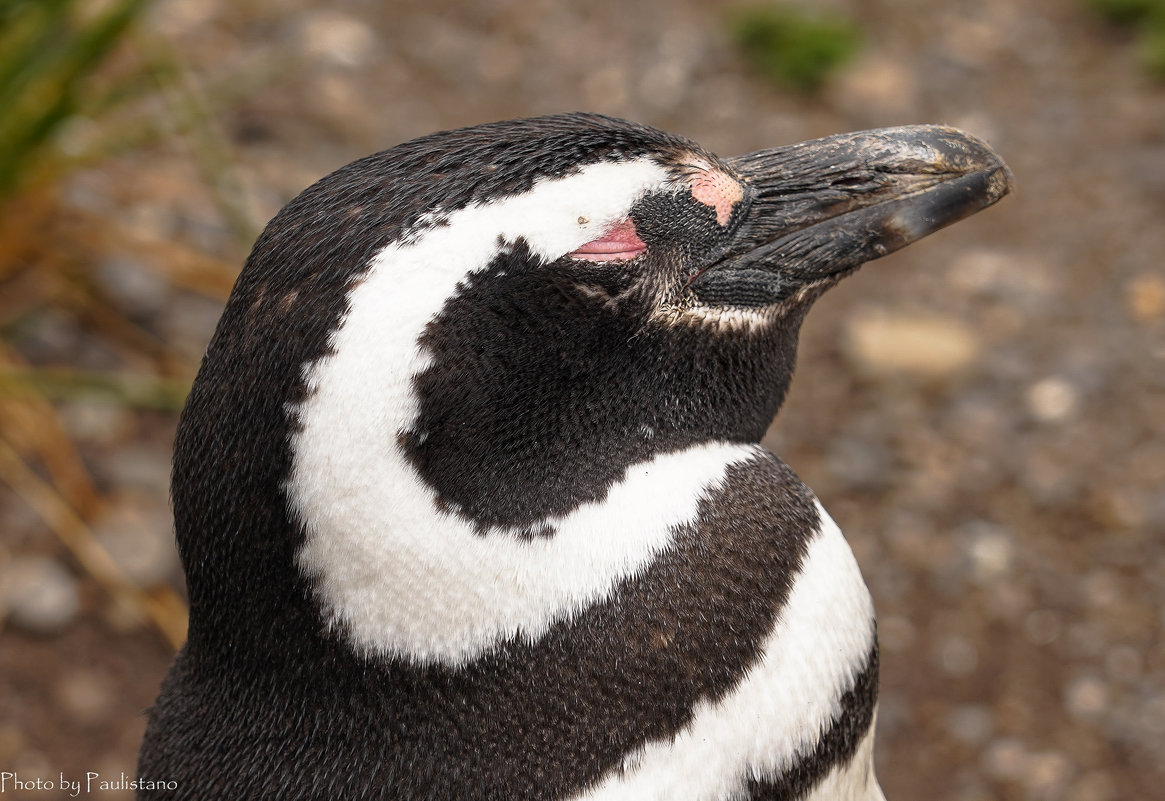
(513, 436)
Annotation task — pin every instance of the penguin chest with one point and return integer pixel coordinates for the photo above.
(799, 721)
(701, 632)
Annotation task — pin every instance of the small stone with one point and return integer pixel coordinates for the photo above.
(1095, 786)
(140, 467)
(972, 43)
(1145, 297)
(895, 633)
(980, 271)
(39, 594)
(958, 656)
(970, 787)
(11, 741)
(86, 696)
(1008, 600)
(990, 550)
(1042, 626)
(1103, 589)
(123, 616)
(96, 422)
(1124, 663)
(1086, 640)
(177, 19)
(857, 464)
(1005, 759)
(1153, 716)
(190, 323)
(910, 343)
(1053, 400)
(136, 288)
(32, 762)
(337, 38)
(1046, 773)
(1086, 698)
(878, 85)
(141, 543)
(971, 724)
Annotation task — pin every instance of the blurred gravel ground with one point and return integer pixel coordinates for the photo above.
(982, 413)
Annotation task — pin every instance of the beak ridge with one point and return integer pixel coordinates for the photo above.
(820, 209)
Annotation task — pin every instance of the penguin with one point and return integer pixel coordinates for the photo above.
(469, 490)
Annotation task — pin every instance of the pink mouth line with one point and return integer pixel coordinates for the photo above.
(621, 243)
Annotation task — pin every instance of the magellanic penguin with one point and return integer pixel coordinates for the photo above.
(468, 490)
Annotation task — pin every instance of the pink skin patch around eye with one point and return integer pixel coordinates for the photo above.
(621, 243)
(721, 192)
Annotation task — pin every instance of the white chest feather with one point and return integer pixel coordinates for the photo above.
(780, 709)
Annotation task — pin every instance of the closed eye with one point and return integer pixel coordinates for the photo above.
(620, 243)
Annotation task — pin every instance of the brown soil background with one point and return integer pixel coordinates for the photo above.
(982, 413)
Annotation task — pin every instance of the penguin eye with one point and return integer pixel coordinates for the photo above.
(621, 242)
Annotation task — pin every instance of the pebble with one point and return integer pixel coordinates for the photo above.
(958, 656)
(980, 271)
(335, 38)
(896, 633)
(972, 724)
(87, 697)
(1124, 664)
(176, 19)
(140, 540)
(12, 740)
(1103, 589)
(1086, 640)
(96, 422)
(189, 325)
(1153, 715)
(1053, 400)
(1145, 298)
(924, 345)
(878, 86)
(989, 548)
(140, 291)
(139, 467)
(1005, 759)
(33, 762)
(1086, 698)
(40, 595)
(1094, 786)
(50, 336)
(1042, 626)
(1046, 773)
(858, 464)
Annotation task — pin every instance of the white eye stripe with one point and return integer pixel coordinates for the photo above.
(394, 573)
(554, 217)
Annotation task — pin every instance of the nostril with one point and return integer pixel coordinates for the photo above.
(851, 180)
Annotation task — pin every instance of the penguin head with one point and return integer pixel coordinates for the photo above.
(498, 322)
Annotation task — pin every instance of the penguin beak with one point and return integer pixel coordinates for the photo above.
(816, 211)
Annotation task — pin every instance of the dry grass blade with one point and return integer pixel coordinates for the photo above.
(32, 426)
(161, 606)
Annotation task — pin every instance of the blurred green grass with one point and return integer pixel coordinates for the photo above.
(49, 52)
(1146, 20)
(795, 48)
(64, 64)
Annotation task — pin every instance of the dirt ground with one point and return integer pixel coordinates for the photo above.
(982, 413)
